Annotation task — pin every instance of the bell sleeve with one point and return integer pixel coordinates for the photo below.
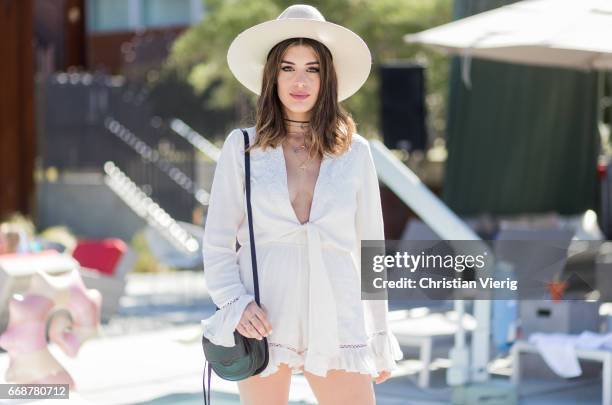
(226, 212)
(369, 226)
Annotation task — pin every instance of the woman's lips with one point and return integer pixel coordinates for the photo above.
(299, 96)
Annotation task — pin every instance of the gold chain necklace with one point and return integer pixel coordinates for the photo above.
(297, 149)
(292, 125)
(304, 164)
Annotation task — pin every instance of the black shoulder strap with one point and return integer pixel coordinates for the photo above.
(247, 184)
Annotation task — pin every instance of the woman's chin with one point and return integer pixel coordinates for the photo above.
(299, 109)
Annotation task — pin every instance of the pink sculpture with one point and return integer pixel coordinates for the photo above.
(59, 304)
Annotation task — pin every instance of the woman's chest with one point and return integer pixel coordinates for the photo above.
(326, 186)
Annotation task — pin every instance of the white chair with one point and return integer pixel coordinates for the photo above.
(603, 356)
(421, 329)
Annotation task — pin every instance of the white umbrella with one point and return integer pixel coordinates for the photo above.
(565, 33)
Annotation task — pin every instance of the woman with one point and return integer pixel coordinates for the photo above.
(315, 196)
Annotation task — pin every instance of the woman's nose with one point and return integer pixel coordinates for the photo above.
(301, 79)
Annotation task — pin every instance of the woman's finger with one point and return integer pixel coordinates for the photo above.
(382, 376)
(241, 330)
(247, 331)
(259, 326)
(263, 317)
(255, 321)
(247, 314)
(378, 378)
(253, 332)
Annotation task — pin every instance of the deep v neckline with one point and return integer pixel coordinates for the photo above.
(283, 162)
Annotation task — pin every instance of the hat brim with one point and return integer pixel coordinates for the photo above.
(247, 54)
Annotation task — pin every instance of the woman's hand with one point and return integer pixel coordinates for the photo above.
(382, 376)
(254, 322)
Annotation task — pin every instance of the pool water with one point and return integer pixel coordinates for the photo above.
(216, 398)
(193, 399)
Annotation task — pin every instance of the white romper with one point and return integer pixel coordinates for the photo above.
(309, 278)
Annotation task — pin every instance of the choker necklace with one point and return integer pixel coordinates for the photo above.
(302, 124)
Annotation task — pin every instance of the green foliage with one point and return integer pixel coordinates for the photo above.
(61, 235)
(146, 262)
(199, 55)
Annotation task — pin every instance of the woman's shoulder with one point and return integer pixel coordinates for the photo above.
(355, 149)
(235, 139)
(359, 140)
(359, 144)
(237, 133)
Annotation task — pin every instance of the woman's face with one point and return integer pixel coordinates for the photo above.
(298, 82)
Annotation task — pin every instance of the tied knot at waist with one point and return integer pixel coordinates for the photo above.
(322, 312)
(322, 309)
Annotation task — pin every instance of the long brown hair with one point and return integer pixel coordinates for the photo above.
(331, 126)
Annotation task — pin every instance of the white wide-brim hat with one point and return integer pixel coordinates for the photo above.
(247, 54)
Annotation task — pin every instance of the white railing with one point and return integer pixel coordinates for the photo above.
(147, 209)
(153, 156)
(198, 141)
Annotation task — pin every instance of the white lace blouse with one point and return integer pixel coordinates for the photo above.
(309, 278)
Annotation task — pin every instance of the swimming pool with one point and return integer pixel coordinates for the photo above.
(193, 399)
(216, 398)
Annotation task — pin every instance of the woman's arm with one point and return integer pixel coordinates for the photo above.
(370, 226)
(225, 214)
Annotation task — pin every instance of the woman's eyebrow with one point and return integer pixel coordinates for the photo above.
(291, 63)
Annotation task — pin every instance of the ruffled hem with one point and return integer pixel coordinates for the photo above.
(220, 327)
(278, 355)
(379, 354)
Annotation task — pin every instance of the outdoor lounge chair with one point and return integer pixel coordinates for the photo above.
(104, 265)
(16, 271)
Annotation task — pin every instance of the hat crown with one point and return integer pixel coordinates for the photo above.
(301, 11)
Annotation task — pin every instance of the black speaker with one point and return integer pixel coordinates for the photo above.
(402, 94)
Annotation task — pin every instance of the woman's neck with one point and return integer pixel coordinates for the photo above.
(296, 116)
(297, 126)
(297, 129)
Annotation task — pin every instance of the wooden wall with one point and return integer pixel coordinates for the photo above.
(17, 146)
(59, 28)
(104, 49)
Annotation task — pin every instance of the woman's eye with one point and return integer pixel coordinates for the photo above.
(289, 69)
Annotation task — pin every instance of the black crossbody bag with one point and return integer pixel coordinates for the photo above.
(249, 356)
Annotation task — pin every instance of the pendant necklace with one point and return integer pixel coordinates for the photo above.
(297, 149)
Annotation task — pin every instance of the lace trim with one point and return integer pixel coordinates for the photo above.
(353, 346)
(346, 346)
(293, 349)
(266, 166)
(282, 346)
(333, 173)
(268, 169)
(230, 302)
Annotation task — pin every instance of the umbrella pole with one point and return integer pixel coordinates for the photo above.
(603, 130)
(481, 341)
(459, 370)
